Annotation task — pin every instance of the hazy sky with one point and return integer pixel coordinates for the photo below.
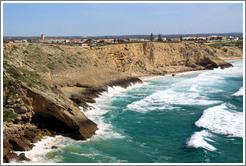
(120, 19)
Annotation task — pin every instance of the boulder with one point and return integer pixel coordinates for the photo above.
(11, 156)
(19, 144)
(54, 147)
(22, 157)
(21, 110)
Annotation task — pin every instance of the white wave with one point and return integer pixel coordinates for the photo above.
(101, 107)
(39, 153)
(105, 130)
(239, 92)
(85, 154)
(166, 98)
(199, 140)
(221, 120)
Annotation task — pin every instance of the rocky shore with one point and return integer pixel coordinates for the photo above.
(45, 83)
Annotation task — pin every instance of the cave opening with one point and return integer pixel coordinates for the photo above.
(52, 124)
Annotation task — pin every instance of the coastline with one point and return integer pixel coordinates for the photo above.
(103, 94)
(92, 84)
(230, 58)
(146, 76)
(49, 143)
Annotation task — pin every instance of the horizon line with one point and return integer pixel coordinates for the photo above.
(124, 35)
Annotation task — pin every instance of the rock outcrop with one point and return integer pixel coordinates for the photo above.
(45, 83)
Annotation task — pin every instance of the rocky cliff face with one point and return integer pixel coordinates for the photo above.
(45, 83)
(161, 58)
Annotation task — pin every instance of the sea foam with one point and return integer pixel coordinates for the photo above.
(239, 92)
(38, 154)
(200, 140)
(102, 105)
(222, 120)
(166, 99)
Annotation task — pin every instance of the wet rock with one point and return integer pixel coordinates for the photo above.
(7, 147)
(54, 147)
(22, 157)
(11, 156)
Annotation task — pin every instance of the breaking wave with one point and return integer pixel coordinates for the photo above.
(222, 120)
(165, 99)
(101, 107)
(239, 92)
(200, 140)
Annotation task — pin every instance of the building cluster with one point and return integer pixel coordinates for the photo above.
(208, 39)
(95, 42)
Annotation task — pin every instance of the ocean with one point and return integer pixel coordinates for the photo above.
(194, 117)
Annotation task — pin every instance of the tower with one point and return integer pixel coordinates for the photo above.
(42, 36)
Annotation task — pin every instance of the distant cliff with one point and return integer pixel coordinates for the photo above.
(45, 83)
(161, 58)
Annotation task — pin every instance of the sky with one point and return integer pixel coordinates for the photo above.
(99, 19)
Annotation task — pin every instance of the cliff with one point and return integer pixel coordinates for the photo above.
(45, 83)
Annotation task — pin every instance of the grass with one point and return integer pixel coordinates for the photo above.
(71, 66)
(238, 44)
(14, 47)
(11, 89)
(51, 66)
(7, 116)
(69, 62)
(30, 78)
(54, 89)
(56, 46)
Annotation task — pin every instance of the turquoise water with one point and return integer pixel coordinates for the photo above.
(195, 117)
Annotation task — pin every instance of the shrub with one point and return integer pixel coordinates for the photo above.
(7, 116)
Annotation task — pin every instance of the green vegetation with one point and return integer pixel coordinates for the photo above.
(7, 116)
(151, 37)
(50, 55)
(71, 66)
(69, 62)
(51, 66)
(25, 52)
(14, 47)
(54, 89)
(238, 44)
(11, 88)
(56, 46)
(9, 91)
(30, 78)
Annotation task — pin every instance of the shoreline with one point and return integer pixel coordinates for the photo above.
(230, 58)
(140, 76)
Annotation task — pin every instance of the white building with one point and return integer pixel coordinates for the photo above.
(51, 40)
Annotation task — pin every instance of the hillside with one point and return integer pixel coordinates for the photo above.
(45, 83)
